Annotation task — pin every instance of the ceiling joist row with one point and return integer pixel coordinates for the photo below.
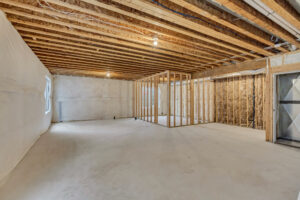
(132, 39)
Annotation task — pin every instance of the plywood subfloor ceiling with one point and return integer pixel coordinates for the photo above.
(93, 37)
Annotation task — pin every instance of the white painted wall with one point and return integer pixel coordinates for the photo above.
(22, 102)
(86, 98)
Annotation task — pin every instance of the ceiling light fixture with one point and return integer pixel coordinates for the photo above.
(155, 41)
(108, 74)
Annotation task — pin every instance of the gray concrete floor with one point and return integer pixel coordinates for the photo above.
(127, 159)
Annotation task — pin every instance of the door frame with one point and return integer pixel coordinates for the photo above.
(275, 101)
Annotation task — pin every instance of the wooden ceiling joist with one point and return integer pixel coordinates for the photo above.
(61, 34)
(95, 73)
(282, 9)
(96, 49)
(117, 36)
(103, 67)
(126, 66)
(247, 29)
(111, 33)
(72, 49)
(152, 9)
(132, 64)
(253, 15)
(90, 12)
(169, 27)
(89, 51)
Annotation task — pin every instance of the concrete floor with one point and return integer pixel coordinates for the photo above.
(127, 159)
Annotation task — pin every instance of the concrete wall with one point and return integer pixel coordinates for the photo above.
(85, 98)
(285, 59)
(22, 101)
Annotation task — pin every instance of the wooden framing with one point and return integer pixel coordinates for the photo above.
(240, 119)
(119, 38)
(198, 100)
(150, 88)
(233, 102)
(203, 100)
(268, 108)
(192, 103)
(247, 101)
(181, 106)
(239, 107)
(209, 102)
(174, 101)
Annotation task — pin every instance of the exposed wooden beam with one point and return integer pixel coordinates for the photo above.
(253, 15)
(153, 10)
(250, 65)
(123, 37)
(118, 20)
(167, 26)
(218, 17)
(281, 8)
(102, 74)
(60, 33)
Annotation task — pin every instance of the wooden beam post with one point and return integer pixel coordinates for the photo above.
(151, 95)
(191, 101)
(187, 101)
(174, 85)
(247, 98)
(233, 102)
(181, 100)
(227, 107)
(216, 98)
(208, 101)
(156, 79)
(222, 107)
(240, 119)
(168, 99)
(263, 103)
(198, 100)
(203, 100)
(147, 101)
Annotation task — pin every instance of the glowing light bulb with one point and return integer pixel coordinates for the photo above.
(107, 74)
(155, 41)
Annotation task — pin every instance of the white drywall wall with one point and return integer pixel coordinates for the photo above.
(85, 98)
(22, 101)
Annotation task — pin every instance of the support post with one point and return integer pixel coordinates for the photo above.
(208, 101)
(198, 100)
(156, 79)
(247, 97)
(240, 119)
(169, 99)
(203, 100)
(181, 100)
(174, 87)
(191, 101)
(151, 95)
(187, 102)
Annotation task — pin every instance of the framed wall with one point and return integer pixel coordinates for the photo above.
(166, 98)
(240, 100)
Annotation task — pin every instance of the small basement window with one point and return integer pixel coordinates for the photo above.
(47, 95)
